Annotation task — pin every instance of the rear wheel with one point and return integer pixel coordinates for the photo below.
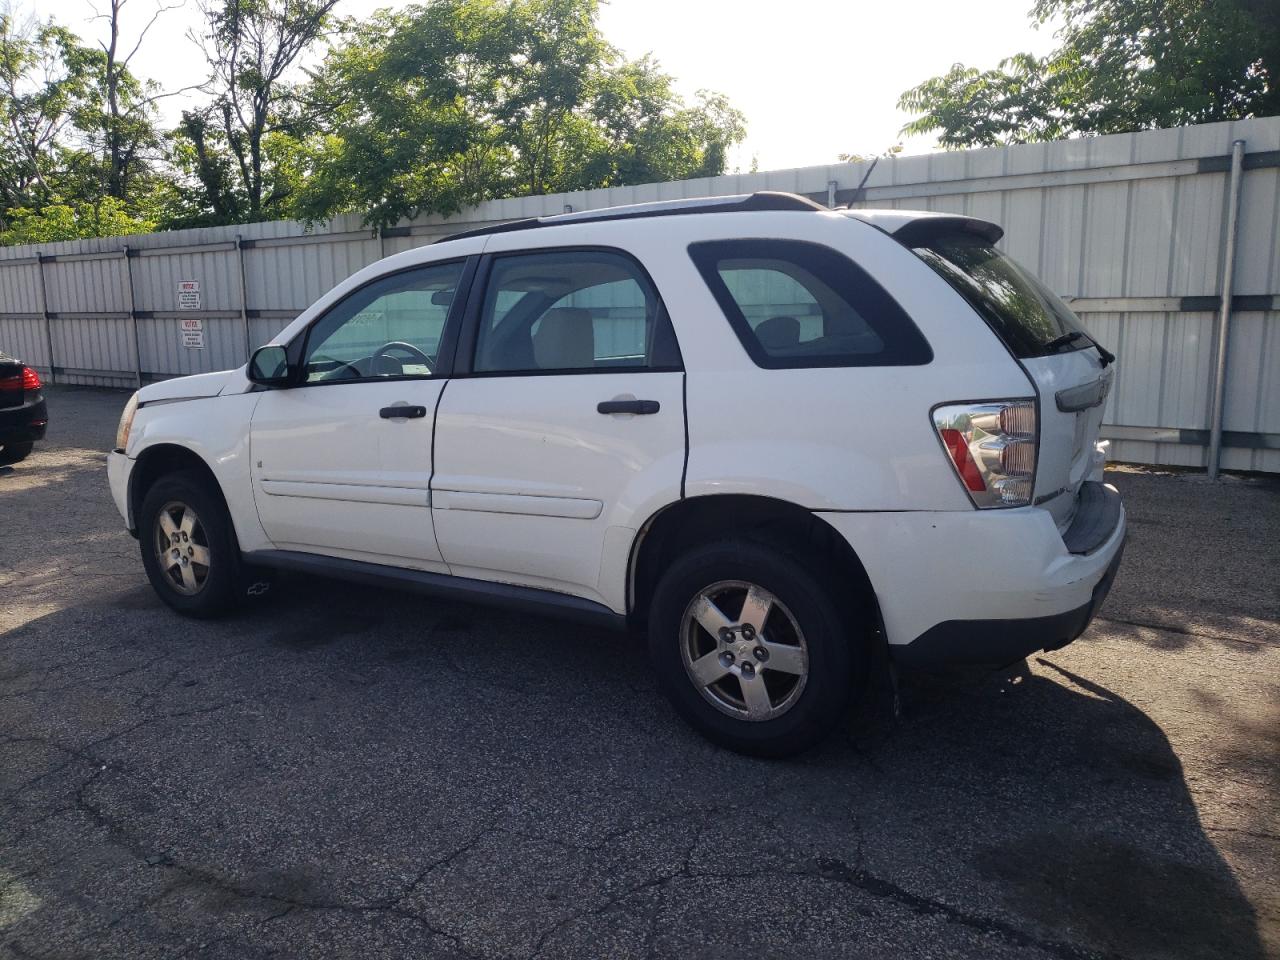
(188, 546)
(751, 649)
(13, 452)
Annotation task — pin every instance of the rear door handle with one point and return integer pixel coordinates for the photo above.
(402, 412)
(628, 406)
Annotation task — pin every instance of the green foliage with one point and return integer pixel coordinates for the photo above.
(77, 124)
(438, 106)
(1121, 65)
(431, 108)
(46, 82)
(225, 151)
(62, 221)
(887, 154)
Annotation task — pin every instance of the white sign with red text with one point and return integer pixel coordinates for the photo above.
(188, 294)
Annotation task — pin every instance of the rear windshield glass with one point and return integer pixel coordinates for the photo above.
(1030, 318)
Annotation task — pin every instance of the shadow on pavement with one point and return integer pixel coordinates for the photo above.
(368, 773)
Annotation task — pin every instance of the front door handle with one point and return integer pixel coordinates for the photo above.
(402, 412)
(628, 406)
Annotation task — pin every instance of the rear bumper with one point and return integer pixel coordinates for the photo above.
(24, 424)
(983, 586)
(997, 642)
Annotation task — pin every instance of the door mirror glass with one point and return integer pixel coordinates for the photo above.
(269, 365)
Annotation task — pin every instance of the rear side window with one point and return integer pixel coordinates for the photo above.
(798, 304)
(564, 311)
(1030, 318)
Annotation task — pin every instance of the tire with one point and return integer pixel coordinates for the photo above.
(200, 573)
(14, 452)
(807, 678)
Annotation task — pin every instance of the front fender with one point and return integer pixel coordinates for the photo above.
(216, 430)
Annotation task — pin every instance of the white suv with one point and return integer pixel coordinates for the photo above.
(782, 439)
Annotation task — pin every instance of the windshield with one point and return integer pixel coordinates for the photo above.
(1029, 317)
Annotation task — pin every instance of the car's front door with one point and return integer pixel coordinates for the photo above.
(342, 459)
(565, 423)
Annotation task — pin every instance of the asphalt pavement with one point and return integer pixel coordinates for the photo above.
(343, 771)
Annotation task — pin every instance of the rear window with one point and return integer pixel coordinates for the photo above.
(1030, 318)
(799, 304)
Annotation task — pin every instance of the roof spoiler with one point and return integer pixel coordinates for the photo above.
(919, 232)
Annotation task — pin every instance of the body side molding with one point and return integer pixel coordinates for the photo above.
(490, 593)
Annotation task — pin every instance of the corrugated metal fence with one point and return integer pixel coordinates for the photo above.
(1130, 228)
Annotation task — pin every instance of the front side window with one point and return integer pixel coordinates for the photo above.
(389, 328)
(799, 304)
(572, 311)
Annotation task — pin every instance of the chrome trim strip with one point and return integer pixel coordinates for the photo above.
(534, 506)
(357, 493)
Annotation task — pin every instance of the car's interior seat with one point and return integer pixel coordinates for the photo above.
(565, 339)
(778, 333)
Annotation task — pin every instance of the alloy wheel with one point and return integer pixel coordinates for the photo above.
(182, 548)
(744, 650)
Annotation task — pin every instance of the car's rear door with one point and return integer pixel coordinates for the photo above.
(563, 422)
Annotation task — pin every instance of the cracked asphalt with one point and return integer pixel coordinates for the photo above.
(350, 772)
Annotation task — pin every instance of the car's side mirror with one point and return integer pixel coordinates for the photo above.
(269, 366)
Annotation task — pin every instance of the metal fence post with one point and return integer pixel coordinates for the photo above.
(244, 299)
(44, 314)
(1224, 311)
(832, 187)
(133, 316)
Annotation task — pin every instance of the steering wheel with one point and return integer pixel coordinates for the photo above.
(352, 372)
(384, 351)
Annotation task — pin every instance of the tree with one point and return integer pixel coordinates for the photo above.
(251, 45)
(1121, 65)
(650, 135)
(45, 83)
(123, 123)
(887, 154)
(76, 124)
(70, 221)
(442, 105)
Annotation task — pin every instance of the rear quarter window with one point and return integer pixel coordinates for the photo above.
(799, 304)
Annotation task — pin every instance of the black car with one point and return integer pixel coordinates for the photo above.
(23, 414)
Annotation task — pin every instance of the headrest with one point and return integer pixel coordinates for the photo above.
(565, 339)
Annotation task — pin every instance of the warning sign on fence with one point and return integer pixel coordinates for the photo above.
(188, 294)
(192, 328)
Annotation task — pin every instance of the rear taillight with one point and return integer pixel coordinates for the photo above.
(30, 379)
(992, 446)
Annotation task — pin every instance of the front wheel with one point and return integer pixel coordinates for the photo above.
(188, 546)
(750, 648)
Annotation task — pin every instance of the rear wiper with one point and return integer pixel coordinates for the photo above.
(1071, 336)
(1057, 343)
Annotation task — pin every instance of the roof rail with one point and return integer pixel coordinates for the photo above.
(738, 203)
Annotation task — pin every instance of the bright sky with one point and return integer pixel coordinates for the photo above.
(815, 78)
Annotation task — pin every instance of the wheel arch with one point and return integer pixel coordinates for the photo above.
(158, 460)
(779, 523)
